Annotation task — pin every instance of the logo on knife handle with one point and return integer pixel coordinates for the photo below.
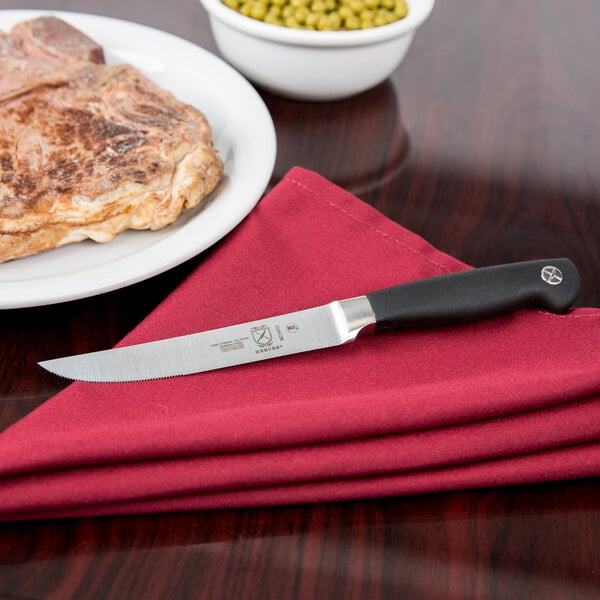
(552, 275)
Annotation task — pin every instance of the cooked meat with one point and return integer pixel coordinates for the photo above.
(88, 150)
(51, 37)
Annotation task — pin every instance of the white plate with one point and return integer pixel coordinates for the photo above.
(243, 133)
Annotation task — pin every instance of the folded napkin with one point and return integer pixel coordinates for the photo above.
(511, 400)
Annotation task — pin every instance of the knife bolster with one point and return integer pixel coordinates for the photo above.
(358, 315)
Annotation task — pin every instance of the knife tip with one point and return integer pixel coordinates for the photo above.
(50, 366)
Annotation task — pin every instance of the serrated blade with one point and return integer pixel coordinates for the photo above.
(291, 333)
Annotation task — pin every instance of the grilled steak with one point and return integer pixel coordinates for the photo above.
(88, 150)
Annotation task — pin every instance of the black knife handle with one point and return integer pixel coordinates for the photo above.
(476, 294)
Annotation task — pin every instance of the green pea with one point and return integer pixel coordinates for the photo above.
(312, 19)
(352, 22)
(357, 6)
(323, 23)
(401, 9)
(258, 10)
(273, 19)
(335, 21)
(301, 13)
(291, 22)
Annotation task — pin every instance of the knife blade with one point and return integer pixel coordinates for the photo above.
(475, 294)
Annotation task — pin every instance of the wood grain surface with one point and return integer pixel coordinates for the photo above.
(486, 141)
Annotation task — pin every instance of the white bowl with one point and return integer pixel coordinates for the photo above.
(313, 65)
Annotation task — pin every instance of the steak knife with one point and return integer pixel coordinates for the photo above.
(450, 299)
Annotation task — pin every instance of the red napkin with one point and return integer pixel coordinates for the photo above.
(510, 400)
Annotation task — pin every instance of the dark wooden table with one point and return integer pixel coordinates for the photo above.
(486, 141)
